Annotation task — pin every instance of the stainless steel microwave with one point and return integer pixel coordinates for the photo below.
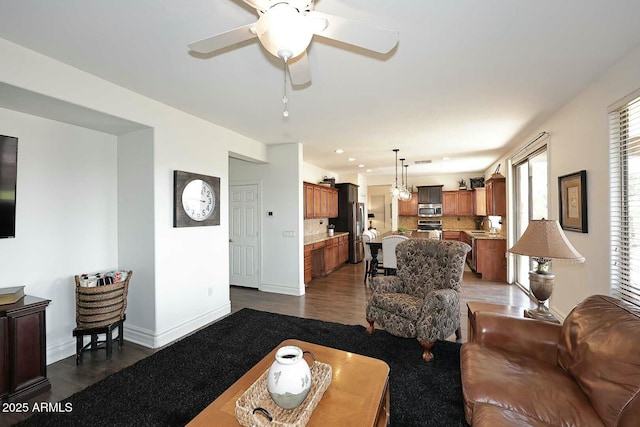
(428, 210)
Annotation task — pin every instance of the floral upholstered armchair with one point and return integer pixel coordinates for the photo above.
(423, 300)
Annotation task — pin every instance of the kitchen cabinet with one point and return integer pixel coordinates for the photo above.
(487, 256)
(320, 201)
(344, 248)
(329, 255)
(480, 202)
(465, 238)
(308, 249)
(490, 259)
(430, 194)
(308, 200)
(408, 208)
(325, 256)
(496, 195)
(457, 202)
(451, 235)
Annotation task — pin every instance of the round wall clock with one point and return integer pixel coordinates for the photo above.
(196, 199)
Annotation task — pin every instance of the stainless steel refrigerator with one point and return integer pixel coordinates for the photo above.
(350, 218)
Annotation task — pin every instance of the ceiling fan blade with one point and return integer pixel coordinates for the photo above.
(259, 4)
(299, 69)
(356, 33)
(222, 40)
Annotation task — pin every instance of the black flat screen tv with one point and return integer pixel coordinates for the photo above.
(8, 179)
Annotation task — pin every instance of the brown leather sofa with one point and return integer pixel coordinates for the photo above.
(525, 372)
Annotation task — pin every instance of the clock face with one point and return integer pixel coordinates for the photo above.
(198, 200)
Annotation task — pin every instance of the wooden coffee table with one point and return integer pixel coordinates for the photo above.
(357, 396)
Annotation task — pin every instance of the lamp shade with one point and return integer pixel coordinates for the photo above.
(283, 31)
(544, 238)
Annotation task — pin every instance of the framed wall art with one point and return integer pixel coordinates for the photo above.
(572, 192)
(196, 199)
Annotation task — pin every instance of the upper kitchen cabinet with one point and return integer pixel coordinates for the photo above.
(410, 207)
(457, 202)
(496, 195)
(320, 201)
(480, 201)
(430, 194)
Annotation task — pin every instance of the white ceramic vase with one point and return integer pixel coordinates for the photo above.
(289, 377)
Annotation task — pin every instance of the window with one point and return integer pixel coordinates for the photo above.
(530, 185)
(625, 201)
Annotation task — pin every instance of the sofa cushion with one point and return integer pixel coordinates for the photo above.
(602, 353)
(488, 415)
(524, 385)
(403, 305)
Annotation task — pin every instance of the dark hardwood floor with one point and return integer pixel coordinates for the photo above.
(340, 297)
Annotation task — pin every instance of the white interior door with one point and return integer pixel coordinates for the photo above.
(244, 241)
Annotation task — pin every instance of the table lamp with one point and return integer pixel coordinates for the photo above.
(544, 240)
(370, 216)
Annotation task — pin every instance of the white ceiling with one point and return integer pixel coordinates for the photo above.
(467, 79)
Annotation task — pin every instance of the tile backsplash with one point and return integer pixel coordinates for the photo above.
(315, 226)
(448, 222)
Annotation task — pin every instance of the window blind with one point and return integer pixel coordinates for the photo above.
(625, 201)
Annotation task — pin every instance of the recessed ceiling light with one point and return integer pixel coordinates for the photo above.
(369, 170)
(351, 159)
(360, 166)
(339, 151)
(445, 158)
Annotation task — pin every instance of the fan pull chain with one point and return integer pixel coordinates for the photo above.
(285, 100)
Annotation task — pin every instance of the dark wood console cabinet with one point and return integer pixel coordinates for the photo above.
(23, 359)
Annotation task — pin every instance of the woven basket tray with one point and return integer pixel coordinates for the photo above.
(257, 396)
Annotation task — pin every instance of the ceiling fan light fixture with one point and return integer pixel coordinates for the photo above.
(283, 31)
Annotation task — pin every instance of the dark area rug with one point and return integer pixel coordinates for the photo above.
(173, 385)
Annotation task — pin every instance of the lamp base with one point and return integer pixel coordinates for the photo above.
(541, 285)
(537, 313)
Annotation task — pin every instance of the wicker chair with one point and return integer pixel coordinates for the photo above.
(423, 300)
(101, 301)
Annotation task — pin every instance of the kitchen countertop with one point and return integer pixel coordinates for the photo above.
(315, 238)
(475, 235)
(484, 235)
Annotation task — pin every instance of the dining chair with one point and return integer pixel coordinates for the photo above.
(367, 236)
(389, 249)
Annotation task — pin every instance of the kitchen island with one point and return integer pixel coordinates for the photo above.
(488, 253)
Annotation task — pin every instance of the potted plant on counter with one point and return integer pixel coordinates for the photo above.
(462, 184)
(331, 229)
(402, 229)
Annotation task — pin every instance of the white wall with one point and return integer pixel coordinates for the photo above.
(579, 139)
(66, 215)
(315, 174)
(282, 257)
(136, 240)
(185, 262)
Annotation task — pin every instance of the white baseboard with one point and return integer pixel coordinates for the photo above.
(279, 289)
(185, 328)
(138, 335)
(61, 350)
(144, 337)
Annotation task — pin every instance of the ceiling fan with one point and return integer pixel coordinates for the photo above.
(285, 29)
